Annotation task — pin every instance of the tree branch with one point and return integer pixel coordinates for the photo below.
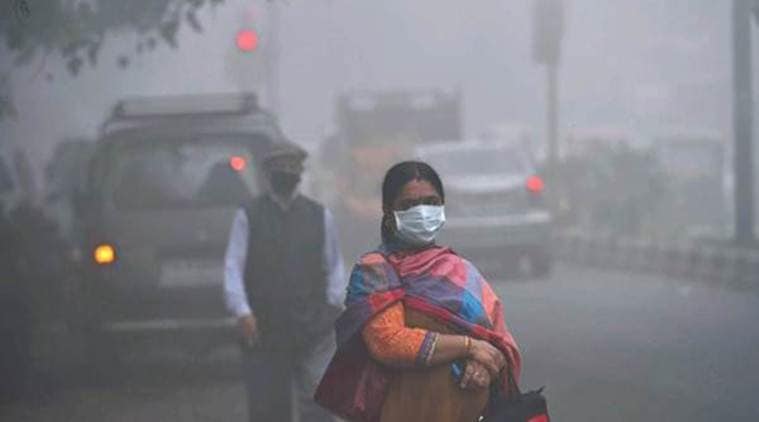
(77, 28)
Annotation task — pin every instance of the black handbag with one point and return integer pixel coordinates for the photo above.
(517, 406)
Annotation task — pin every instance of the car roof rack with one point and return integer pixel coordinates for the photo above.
(181, 105)
(238, 110)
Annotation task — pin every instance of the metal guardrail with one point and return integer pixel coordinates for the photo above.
(725, 265)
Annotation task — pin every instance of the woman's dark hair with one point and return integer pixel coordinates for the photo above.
(397, 177)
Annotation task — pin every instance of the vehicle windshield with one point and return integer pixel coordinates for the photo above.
(184, 174)
(477, 161)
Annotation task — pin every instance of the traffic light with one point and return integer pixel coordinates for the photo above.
(247, 40)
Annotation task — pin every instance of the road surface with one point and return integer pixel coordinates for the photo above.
(607, 346)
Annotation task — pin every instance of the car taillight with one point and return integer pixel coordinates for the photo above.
(237, 163)
(104, 254)
(535, 184)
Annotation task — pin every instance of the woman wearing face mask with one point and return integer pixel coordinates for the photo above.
(423, 335)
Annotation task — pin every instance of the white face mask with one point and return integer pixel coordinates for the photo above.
(419, 225)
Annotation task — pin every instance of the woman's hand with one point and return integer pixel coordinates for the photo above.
(488, 355)
(476, 376)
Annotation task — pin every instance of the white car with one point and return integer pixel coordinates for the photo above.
(495, 205)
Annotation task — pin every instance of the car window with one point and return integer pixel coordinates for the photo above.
(184, 174)
(478, 161)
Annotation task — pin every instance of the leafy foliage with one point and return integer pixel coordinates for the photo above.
(615, 190)
(77, 28)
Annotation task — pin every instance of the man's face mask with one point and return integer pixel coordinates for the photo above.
(283, 183)
(419, 225)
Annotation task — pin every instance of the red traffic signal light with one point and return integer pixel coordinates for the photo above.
(247, 40)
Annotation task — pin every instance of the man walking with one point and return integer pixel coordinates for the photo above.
(284, 281)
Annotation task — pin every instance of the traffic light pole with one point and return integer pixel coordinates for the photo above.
(272, 62)
(743, 124)
(552, 108)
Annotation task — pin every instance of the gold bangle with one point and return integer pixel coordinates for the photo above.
(468, 344)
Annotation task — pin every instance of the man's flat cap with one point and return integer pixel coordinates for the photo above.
(285, 150)
(285, 156)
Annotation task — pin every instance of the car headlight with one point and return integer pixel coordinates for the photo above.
(104, 254)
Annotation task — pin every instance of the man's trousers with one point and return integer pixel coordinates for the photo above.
(280, 386)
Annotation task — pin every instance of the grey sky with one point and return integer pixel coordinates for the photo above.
(641, 66)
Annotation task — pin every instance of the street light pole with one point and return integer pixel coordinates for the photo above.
(743, 124)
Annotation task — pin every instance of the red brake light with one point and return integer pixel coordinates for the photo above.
(535, 184)
(237, 163)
